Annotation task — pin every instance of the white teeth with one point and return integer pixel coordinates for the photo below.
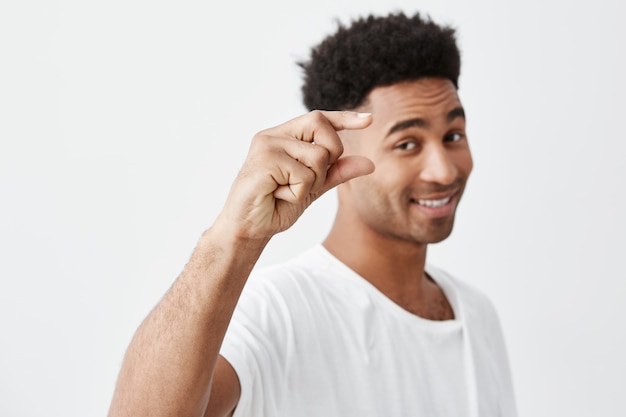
(434, 203)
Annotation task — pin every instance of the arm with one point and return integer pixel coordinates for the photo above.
(172, 366)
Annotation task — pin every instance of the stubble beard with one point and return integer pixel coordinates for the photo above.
(399, 224)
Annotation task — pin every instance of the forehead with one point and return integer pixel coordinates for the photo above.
(427, 98)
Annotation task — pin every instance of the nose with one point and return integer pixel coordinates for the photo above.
(438, 165)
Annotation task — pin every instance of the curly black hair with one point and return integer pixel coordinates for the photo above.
(377, 51)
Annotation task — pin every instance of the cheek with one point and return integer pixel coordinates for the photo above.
(464, 162)
(470, 163)
(372, 185)
(390, 178)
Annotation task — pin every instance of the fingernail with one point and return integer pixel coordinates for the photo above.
(363, 115)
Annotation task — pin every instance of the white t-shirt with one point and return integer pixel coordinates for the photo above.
(313, 338)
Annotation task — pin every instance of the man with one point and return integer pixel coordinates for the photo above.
(359, 325)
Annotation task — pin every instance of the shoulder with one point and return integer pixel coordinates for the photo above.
(298, 271)
(289, 286)
(316, 268)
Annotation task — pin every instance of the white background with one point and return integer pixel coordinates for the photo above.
(123, 123)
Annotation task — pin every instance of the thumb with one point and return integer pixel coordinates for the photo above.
(347, 168)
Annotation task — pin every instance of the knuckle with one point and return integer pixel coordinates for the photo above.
(316, 117)
(309, 176)
(256, 141)
(333, 150)
(259, 137)
(321, 154)
(318, 159)
(337, 148)
(260, 142)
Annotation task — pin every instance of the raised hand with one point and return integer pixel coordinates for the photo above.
(287, 168)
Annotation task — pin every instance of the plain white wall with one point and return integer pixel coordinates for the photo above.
(123, 123)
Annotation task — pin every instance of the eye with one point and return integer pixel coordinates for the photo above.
(453, 137)
(407, 146)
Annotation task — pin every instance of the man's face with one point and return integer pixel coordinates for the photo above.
(418, 144)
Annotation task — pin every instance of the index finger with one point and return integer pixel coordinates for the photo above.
(304, 127)
(321, 127)
(347, 120)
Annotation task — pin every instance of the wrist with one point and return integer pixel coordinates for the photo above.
(231, 239)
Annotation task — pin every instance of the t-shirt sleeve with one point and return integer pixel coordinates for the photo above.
(489, 351)
(254, 345)
(497, 354)
(507, 402)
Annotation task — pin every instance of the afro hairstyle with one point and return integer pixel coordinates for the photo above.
(377, 51)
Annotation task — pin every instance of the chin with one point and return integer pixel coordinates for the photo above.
(435, 236)
(437, 239)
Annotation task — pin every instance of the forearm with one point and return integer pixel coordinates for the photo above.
(168, 368)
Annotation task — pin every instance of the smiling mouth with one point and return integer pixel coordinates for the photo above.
(434, 203)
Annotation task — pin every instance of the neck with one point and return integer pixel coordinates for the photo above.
(394, 266)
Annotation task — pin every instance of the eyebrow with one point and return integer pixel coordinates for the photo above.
(418, 122)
